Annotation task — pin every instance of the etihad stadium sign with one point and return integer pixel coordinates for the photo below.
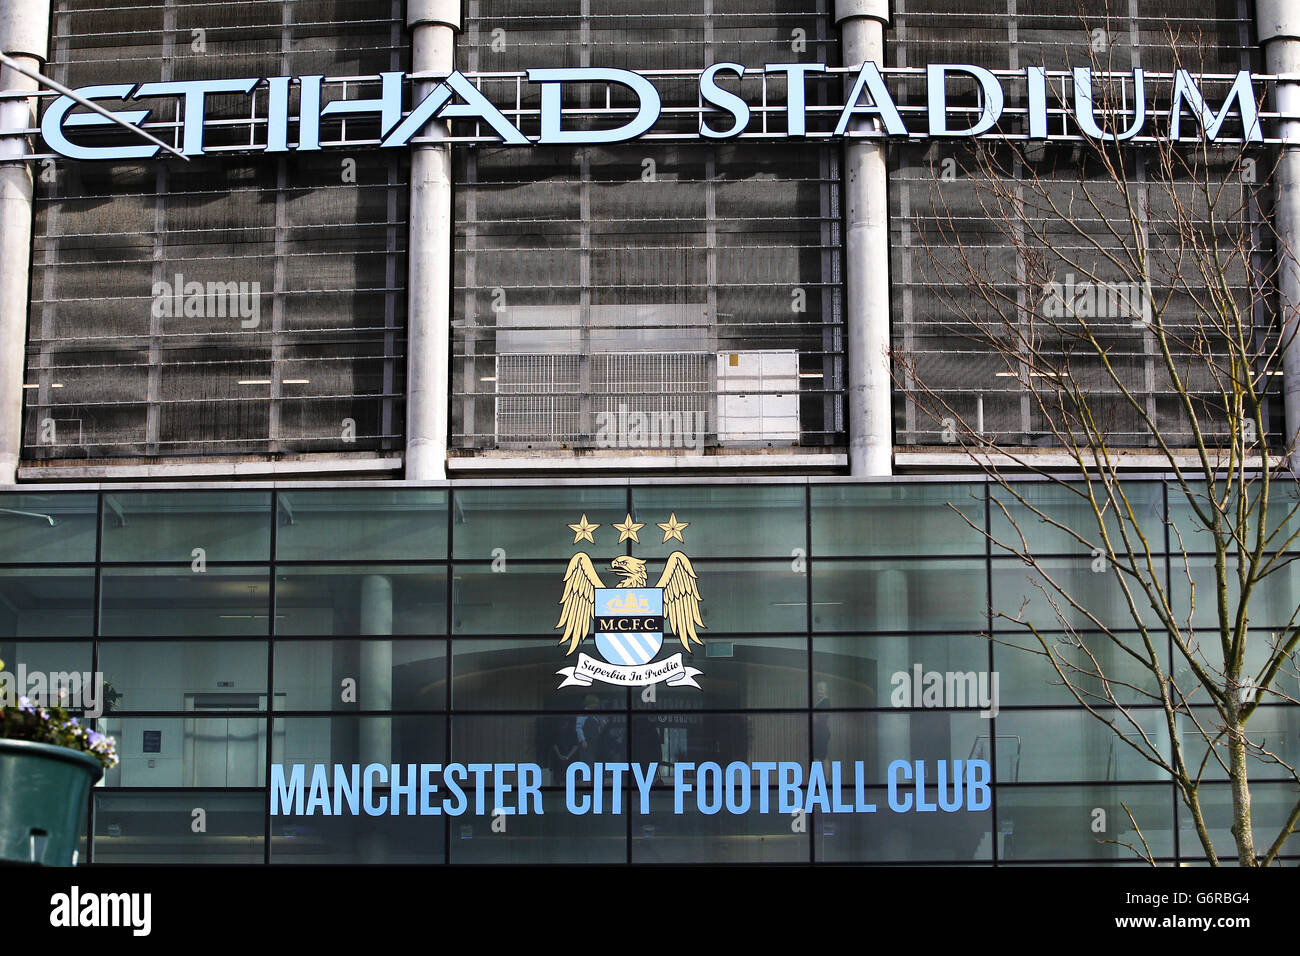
(594, 106)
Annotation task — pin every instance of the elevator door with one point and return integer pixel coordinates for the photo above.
(223, 749)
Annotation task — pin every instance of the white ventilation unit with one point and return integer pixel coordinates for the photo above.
(758, 397)
(661, 399)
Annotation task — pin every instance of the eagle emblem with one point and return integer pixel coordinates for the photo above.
(629, 619)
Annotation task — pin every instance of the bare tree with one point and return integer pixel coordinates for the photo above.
(1125, 290)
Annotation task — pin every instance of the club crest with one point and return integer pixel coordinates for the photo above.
(629, 620)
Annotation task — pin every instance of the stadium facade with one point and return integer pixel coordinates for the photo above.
(304, 427)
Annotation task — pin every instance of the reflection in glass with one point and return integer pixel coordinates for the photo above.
(516, 674)
(534, 522)
(166, 602)
(1061, 745)
(169, 675)
(936, 595)
(408, 524)
(1027, 677)
(554, 836)
(47, 602)
(725, 520)
(1065, 506)
(313, 675)
(38, 528)
(919, 519)
(368, 599)
(868, 671)
(170, 525)
(1020, 591)
(886, 836)
(157, 828)
(749, 672)
(1057, 823)
(347, 740)
(1274, 728)
(219, 741)
(695, 837)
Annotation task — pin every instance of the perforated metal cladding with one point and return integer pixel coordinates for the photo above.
(943, 221)
(600, 252)
(296, 341)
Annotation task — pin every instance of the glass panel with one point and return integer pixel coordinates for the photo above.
(740, 520)
(1275, 729)
(169, 525)
(534, 522)
(914, 519)
(669, 738)
(359, 839)
(1058, 745)
(347, 739)
(1270, 805)
(220, 741)
(397, 675)
(51, 602)
(167, 602)
(1026, 677)
(185, 675)
(374, 599)
(596, 733)
(554, 836)
(1057, 823)
(879, 671)
(754, 672)
(1273, 602)
(722, 837)
(908, 837)
(157, 828)
(881, 738)
(1260, 648)
(52, 527)
(39, 671)
(518, 674)
(1018, 591)
(947, 595)
(378, 525)
(1282, 517)
(734, 598)
(1066, 506)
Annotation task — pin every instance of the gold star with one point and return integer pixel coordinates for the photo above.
(583, 530)
(628, 529)
(674, 528)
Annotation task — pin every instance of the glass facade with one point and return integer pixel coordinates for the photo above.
(229, 305)
(244, 629)
(690, 279)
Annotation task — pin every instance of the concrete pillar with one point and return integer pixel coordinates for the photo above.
(376, 684)
(866, 202)
(376, 693)
(895, 736)
(1278, 23)
(24, 36)
(433, 25)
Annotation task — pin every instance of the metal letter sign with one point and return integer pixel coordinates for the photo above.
(779, 101)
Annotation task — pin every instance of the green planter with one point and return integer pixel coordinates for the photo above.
(43, 795)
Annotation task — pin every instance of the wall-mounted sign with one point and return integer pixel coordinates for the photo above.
(593, 106)
(629, 618)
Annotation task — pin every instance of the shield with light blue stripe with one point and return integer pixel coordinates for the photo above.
(629, 624)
